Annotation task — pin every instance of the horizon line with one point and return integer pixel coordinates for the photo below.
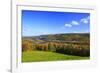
(58, 33)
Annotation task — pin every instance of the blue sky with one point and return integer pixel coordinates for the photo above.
(36, 23)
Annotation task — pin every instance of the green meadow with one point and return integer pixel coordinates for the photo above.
(37, 56)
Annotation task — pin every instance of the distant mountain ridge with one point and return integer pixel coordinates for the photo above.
(73, 37)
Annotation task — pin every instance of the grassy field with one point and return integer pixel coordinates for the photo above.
(37, 56)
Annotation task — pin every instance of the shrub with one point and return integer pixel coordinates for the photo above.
(27, 45)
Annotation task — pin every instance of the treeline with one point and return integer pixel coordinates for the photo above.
(58, 47)
(64, 37)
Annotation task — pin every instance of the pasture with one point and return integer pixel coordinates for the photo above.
(37, 56)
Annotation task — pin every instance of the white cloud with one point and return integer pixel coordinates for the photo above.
(85, 20)
(74, 23)
(68, 25)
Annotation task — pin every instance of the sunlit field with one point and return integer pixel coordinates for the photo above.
(38, 56)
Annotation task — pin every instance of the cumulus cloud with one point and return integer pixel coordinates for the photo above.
(68, 25)
(74, 23)
(85, 20)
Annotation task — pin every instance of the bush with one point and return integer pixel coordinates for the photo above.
(27, 45)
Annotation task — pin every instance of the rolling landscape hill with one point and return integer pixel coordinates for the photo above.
(68, 37)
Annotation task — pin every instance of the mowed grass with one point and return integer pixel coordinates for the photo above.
(37, 56)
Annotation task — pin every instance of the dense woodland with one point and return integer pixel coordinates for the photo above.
(71, 44)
